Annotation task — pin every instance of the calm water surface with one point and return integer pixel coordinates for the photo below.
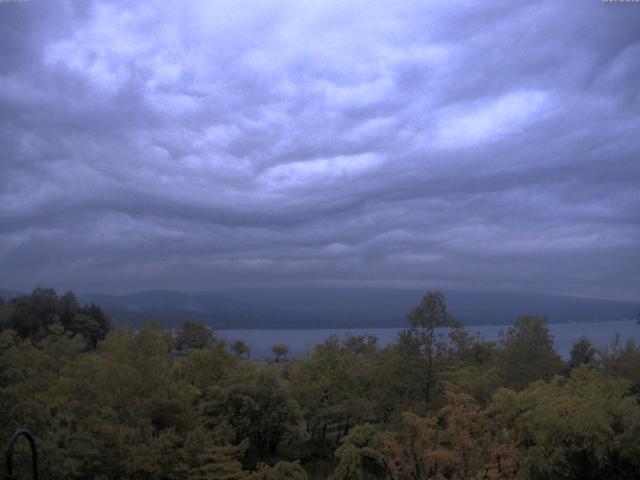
(301, 342)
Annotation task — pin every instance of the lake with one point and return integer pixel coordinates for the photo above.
(302, 341)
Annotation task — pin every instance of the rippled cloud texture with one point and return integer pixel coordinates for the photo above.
(203, 144)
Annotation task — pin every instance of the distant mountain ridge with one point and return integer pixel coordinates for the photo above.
(347, 308)
(341, 308)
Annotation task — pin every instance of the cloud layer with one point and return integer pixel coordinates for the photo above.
(203, 144)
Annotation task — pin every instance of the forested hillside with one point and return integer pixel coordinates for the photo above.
(345, 308)
(160, 404)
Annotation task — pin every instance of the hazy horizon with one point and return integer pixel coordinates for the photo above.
(319, 287)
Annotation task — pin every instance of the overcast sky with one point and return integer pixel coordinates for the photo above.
(194, 145)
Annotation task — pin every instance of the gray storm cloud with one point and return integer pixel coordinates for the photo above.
(202, 144)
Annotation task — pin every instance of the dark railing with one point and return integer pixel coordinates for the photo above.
(9, 453)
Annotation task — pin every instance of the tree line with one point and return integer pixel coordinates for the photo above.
(438, 403)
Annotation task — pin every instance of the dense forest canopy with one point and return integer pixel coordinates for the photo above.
(31, 315)
(439, 403)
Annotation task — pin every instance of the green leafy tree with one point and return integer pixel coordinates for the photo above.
(31, 315)
(280, 350)
(193, 335)
(526, 353)
(423, 337)
(6, 312)
(68, 308)
(623, 361)
(34, 312)
(480, 383)
(240, 349)
(257, 404)
(585, 427)
(207, 367)
(280, 471)
(582, 352)
(99, 327)
(360, 456)
(88, 328)
(332, 389)
(465, 349)
(361, 344)
(207, 454)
